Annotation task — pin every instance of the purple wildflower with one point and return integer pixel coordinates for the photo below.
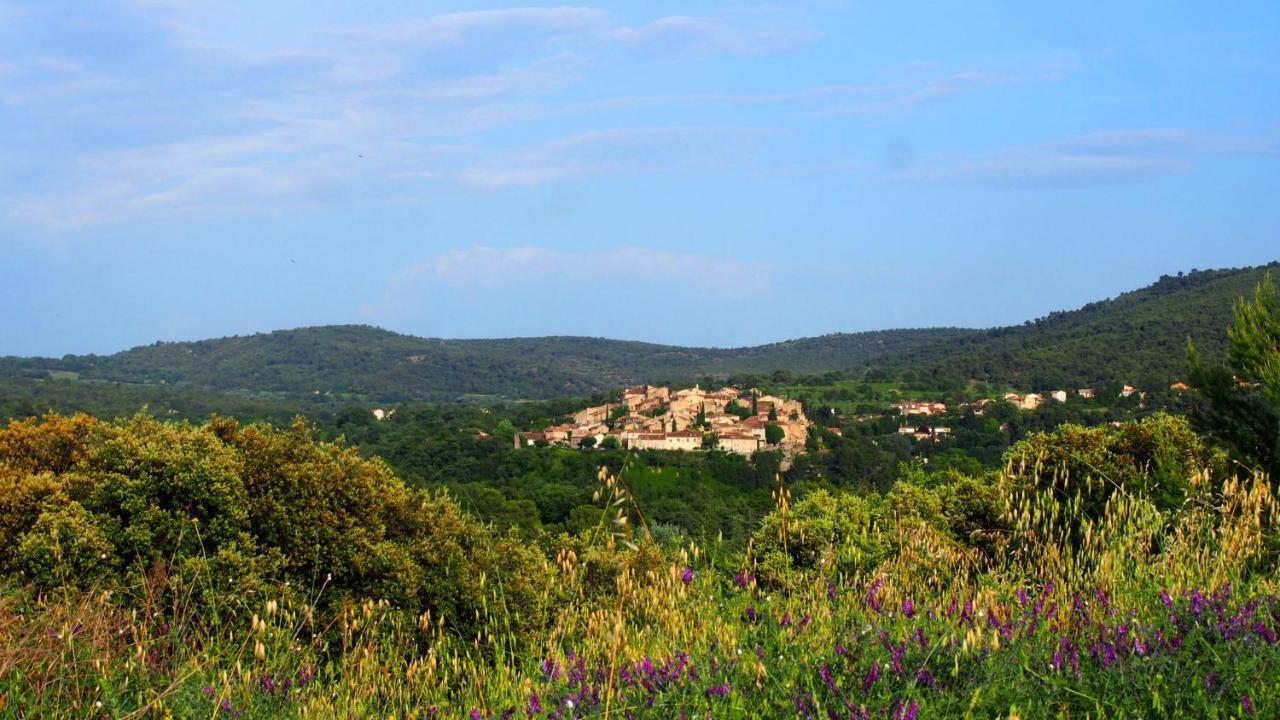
(686, 575)
(908, 608)
(872, 676)
(1246, 705)
(897, 653)
(720, 690)
(740, 579)
(826, 677)
(872, 601)
(534, 705)
(475, 714)
(751, 613)
(208, 691)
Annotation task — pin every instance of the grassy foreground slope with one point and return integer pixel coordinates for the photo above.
(167, 570)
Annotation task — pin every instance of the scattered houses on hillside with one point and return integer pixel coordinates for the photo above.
(911, 407)
(925, 432)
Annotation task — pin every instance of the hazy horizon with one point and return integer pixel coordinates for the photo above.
(726, 178)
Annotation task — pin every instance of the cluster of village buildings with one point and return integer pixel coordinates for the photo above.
(648, 417)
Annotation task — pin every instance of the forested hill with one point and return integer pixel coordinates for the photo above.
(379, 365)
(1138, 338)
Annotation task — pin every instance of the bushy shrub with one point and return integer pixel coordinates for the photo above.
(229, 509)
(1158, 458)
(821, 530)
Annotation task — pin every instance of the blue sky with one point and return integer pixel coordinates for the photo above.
(693, 173)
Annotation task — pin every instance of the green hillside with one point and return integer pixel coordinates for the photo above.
(1137, 338)
(374, 364)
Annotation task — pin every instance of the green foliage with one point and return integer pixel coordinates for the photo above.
(1135, 338)
(360, 362)
(1158, 458)
(1239, 402)
(821, 530)
(774, 434)
(1152, 611)
(91, 503)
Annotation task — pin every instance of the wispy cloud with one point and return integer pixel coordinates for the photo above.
(625, 150)
(935, 89)
(818, 94)
(484, 266)
(1088, 160)
(697, 34)
(1047, 170)
(206, 124)
(633, 273)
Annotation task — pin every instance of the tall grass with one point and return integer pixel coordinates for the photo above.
(1132, 612)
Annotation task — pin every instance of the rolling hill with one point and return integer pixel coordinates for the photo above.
(376, 364)
(1137, 338)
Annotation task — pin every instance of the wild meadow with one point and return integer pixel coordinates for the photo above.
(170, 570)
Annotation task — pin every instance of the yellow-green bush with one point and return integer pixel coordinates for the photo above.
(226, 509)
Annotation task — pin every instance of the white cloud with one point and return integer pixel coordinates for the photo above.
(482, 266)
(485, 268)
(451, 28)
(936, 89)
(1170, 140)
(709, 35)
(618, 151)
(360, 108)
(1092, 159)
(818, 94)
(1048, 170)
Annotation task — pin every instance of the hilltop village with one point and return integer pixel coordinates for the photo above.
(648, 417)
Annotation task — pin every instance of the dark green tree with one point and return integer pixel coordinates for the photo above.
(773, 434)
(1239, 402)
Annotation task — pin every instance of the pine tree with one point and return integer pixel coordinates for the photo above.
(1239, 402)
